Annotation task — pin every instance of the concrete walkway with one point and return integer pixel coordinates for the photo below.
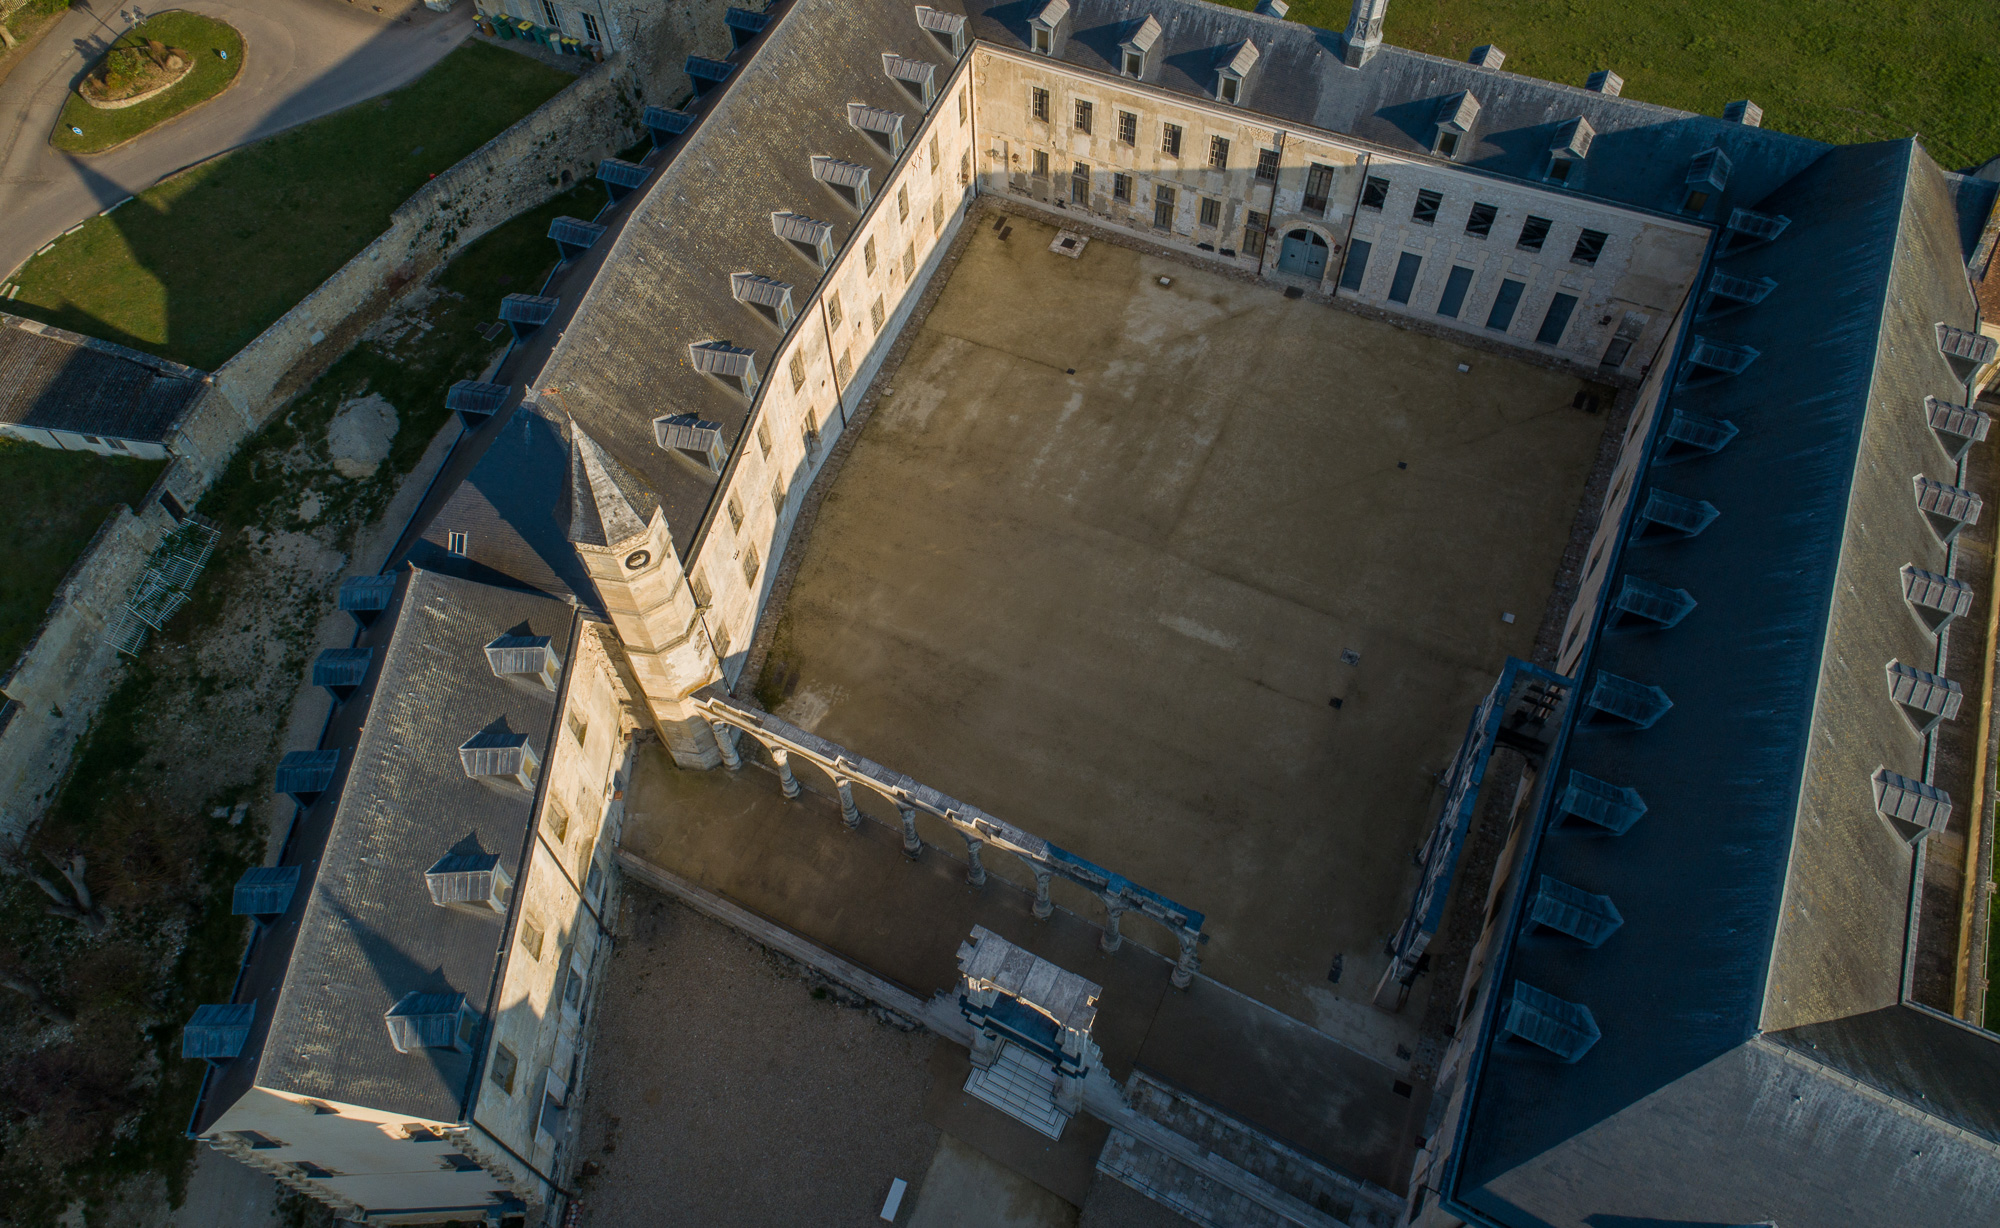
(302, 59)
(856, 895)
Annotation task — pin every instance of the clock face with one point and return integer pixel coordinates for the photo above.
(637, 559)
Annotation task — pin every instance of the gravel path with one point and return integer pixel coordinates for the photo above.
(723, 1092)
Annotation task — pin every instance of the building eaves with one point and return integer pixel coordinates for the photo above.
(51, 379)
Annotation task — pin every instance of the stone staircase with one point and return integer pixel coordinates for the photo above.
(1022, 1086)
(1220, 1173)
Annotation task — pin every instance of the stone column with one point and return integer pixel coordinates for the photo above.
(1185, 966)
(850, 814)
(1114, 908)
(985, 1048)
(726, 743)
(976, 870)
(1069, 1093)
(912, 847)
(789, 782)
(1043, 906)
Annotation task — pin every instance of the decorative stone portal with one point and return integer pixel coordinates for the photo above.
(1031, 1046)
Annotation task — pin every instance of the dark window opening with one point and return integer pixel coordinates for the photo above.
(1534, 233)
(1374, 193)
(1218, 153)
(1163, 208)
(1557, 320)
(1319, 184)
(1616, 352)
(1211, 212)
(1040, 104)
(1455, 287)
(1589, 246)
(1253, 234)
(1170, 140)
(1128, 128)
(1267, 165)
(1079, 183)
(1447, 144)
(1083, 110)
(1426, 212)
(1504, 303)
(1041, 164)
(1696, 201)
(1406, 277)
(1121, 188)
(1480, 223)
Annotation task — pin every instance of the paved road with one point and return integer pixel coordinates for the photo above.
(303, 59)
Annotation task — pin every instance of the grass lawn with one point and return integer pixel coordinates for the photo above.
(203, 38)
(1827, 69)
(195, 268)
(55, 502)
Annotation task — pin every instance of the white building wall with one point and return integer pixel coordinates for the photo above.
(1644, 271)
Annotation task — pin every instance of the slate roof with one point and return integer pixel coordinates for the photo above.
(1640, 156)
(665, 283)
(61, 381)
(363, 932)
(1758, 1060)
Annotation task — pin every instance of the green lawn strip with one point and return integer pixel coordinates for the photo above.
(55, 502)
(195, 268)
(165, 872)
(1824, 69)
(203, 38)
(32, 12)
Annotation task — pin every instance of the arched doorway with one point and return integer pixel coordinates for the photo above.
(1304, 254)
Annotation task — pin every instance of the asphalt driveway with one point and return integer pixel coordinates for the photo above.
(302, 59)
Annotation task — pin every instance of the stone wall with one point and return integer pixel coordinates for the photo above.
(58, 683)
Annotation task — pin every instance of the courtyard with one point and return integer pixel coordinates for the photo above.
(1195, 580)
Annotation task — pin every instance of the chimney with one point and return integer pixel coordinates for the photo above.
(1744, 112)
(1486, 55)
(1604, 81)
(1364, 32)
(1273, 8)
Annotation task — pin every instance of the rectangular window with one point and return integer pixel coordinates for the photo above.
(811, 437)
(909, 261)
(1557, 320)
(1218, 153)
(1534, 233)
(1447, 146)
(1357, 265)
(455, 543)
(937, 216)
(1253, 234)
(578, 728)
(1455, 287)
(504, 1066)
(1211, 212)
(1504, 303)
(1163, 208)
(1121, 188)
(846, 368)
(1267, 165)
(1128, 128)
(1406, 277)
(1319, 184)
(734, 506)
(1083, 110)
(833, 310)
(1170, 140)
(903, 204)
(1374, 193)
(965, 167)
(698, 585)
(1480, 223)
(590, 28)
(963, 114)
(868, 255)
(1696, 201)
(876, 314)
(798, 368)
(1079, 183)
(750, 569)
(1038, 104)
(531, 939)
(936, 165)
(777, 497)
(1589, 246)
(1426, 212)
(1616, 352)
(764, 437)
(1041, 164)
(552, 14)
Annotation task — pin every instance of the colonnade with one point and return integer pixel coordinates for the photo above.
(1046, 862)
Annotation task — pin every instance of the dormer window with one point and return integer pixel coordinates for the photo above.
(947, 28)
(431, 1021)
(849, 180)
(919, 77)
(813, 239)
(470, 882)
(731, 364)
(1569, 148)
(525, 656)
(1455, 118)
(1045, 27)
(687, 433)
(1707, 175)
(885, 128)
(769, 297)
(1237, 61)
(500, 757)
(1133, 51)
